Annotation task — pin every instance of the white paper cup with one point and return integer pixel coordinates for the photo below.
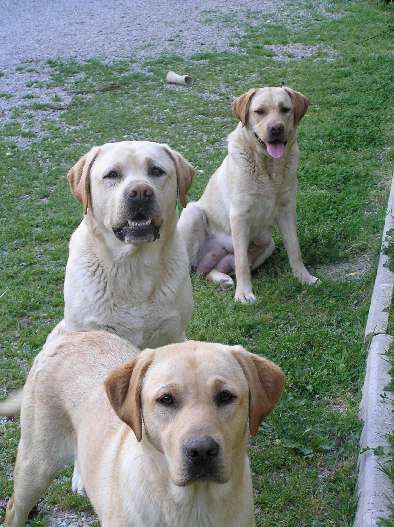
(174, 78)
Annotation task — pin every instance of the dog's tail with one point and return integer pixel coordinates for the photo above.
(12, 405)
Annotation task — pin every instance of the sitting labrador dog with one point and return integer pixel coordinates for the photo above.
(230, 228)
(161, 435)
(127, 271)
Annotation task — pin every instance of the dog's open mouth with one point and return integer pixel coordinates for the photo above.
(275, 149)
(138, 229)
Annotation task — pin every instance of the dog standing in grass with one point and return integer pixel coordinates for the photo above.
(230, 228)
(161, 435)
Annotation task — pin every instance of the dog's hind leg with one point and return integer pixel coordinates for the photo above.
(212, 254)
(32, 477)
(222, 279)
(34, 470)
(192, 226)
(45, 447)
(220, 275)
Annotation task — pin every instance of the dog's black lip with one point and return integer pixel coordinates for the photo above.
(260, 140)
(203, 476)
(268, 142)
(277, 143)
(138, 217)
(152, 228)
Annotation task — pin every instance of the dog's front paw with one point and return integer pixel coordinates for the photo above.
(78, 487)
(309, 279)
(244, 297)
(306, 278)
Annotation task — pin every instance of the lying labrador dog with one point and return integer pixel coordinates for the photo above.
(161, 440)
(127, 270)
(230, 228)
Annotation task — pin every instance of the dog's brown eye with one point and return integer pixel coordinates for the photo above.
(260, 111)
(112, 175)
(224, 397)
(166, 400)
(156, 171)
(285, 110)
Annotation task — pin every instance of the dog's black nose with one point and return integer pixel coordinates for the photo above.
(276, 131)
(139, 193)
(201, 451)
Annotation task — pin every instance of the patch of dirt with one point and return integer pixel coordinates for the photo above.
(339, 406)
(351, 270)
(29, 99)
(287, 52)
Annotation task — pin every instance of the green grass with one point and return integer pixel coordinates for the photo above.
(304, 456)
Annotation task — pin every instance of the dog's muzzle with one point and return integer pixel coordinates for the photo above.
(201, 459)
(138, 229)
(275, 149)
(141, 224)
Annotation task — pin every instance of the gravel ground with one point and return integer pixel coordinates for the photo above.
(39, 30)
(58, 518)
(33, 31)
(284, 53)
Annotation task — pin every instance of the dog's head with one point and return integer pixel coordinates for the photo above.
(272, 115)
(131, 187)
(198, 403)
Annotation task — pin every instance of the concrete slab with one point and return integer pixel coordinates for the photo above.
(375, 494)
(378, 315)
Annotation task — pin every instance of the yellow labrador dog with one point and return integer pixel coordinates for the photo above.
(161, 440)
(230, 228)
(127, 271)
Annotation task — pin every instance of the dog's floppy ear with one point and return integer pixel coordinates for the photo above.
(266, 382)
(123, 387)
(79, 177)
(240, 106)
(184, 173)
(300, 104)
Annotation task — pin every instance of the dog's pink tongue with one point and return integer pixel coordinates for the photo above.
(276, 150)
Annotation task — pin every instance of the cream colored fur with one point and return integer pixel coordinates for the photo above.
(140, 291)
(251, 191)
(130, 447)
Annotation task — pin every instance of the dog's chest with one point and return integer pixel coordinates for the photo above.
(128, 301)
(140, 314)
(199, 514)
(260, 201)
